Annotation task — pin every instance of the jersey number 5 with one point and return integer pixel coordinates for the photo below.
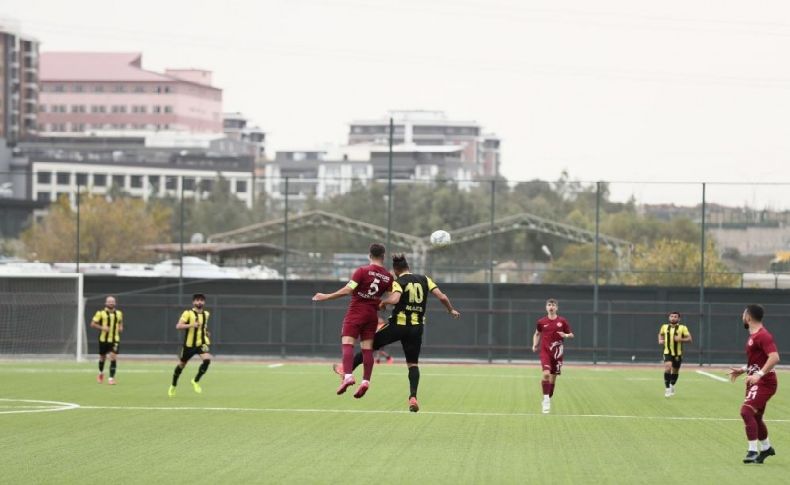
(374, 287)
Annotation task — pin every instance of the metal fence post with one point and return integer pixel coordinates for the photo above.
(491, 273)
(702, 277)
(283, 351)
(597, 269)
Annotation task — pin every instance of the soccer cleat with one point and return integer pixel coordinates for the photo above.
(751, 457)
(765, 454)
(196, 386)
(414, 406)
(100, 378)
(671, 389)
(338, 368)
(172, 391)
(546, 405)
(363, 388)
(667, 392)
(111, 381)
(390, 360)
(347, 382)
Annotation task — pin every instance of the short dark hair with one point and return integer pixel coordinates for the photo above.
(197, 296)
(399, 262)
(552, 300)
(756, 312)
(674, 313)
(377, 250)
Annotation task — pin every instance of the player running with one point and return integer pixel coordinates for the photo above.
(672, 335)
(196, 342)
(406, 323)
(551, 331)
(762, 357)
(367, 285)
(110, 321)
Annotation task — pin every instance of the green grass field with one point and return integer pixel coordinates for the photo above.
(478, 424)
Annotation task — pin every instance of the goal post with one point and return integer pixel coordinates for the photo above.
(42, 314)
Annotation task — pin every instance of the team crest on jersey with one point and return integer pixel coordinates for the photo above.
(559, 324)
(751, 342)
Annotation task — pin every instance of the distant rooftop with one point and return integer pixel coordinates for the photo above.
(110, 67)
(417, 117)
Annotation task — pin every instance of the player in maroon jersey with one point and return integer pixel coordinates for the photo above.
(551, 331)
(761, 382)
(366, 286)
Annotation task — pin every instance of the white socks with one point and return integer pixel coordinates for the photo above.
(753, 445)
(765, 444)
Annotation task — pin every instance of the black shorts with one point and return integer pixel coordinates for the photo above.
(410, 337)
(189, 352)
(675, 359)
(108, 347)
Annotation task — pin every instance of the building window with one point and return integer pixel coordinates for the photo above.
(136, 181)
(119, 88)
(118, 108)
(77, 108)
(97, 108)
(43, 197)
(98, 89)
(241, 186)
(171, 182)
(44, 177)
(119, 181)
(139, 89)
(189, 183)
(63, 178)
(206, 185)
(167, 89)
(99, 179)
(82, 179)
(168, 109)
(59, 88)
(78, 127)
(153, 181)
(78, 88)
(42, 108)
(157, 109)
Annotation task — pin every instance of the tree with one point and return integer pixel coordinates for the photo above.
(672, 262)
(111, 230)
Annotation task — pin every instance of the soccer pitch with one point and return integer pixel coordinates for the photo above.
(283, 423)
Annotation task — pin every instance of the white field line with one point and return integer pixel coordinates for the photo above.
(37, 407)
(713, 376)
(274, 366)
(431, 413)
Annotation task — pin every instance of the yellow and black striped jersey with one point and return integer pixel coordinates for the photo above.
(196, 336)
(414, 289)
(110, 322)
(668, 332)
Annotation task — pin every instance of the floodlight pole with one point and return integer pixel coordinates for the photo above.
(491, 271)
(181, 244)
(702, 276)
(285, 272)
(597, 269)
(78, 228)
(389, 185)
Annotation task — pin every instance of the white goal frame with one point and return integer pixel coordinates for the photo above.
(79, 318)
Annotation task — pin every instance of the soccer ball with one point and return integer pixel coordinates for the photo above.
(440, 238)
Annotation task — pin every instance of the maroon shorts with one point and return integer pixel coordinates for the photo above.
(361, 324)
(549, 363)
(757, 396)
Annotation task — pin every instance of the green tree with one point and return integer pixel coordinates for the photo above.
(111, 230)
(672, 262)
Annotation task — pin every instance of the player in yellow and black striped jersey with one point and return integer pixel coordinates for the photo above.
(109, 322)
(672, 336)
(196, 341)
(410, 297)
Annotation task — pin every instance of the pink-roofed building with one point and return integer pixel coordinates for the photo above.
(91, 91)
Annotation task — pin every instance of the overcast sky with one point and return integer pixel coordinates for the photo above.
(620, 90)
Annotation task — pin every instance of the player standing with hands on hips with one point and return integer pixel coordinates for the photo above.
(551, 331)
(761, 383)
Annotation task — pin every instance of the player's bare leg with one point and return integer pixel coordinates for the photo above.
(348, 363)
(367, 365)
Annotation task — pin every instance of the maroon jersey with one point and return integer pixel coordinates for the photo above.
(369, 283)
(550, 341)
(760, 344)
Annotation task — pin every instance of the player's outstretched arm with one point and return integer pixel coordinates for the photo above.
(566, 335)
(446, 302)
(344, 291)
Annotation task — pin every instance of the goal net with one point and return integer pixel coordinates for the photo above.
(42, 314)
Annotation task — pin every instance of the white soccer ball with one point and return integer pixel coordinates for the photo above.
(440, 238)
